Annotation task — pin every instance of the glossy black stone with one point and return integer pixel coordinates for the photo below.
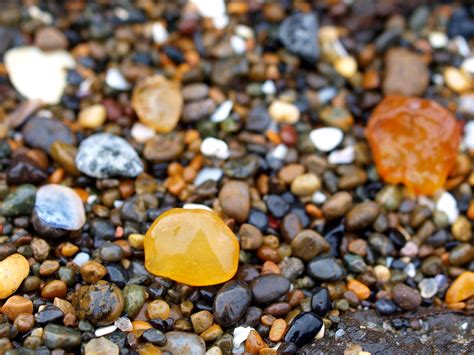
(268, 288)
(325, 269)
(304, 328)
(321, 302)
(154, 336)
(231, 302)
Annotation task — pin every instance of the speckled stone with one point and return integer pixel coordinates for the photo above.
(104, 155)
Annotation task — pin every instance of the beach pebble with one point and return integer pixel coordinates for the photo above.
(326, 139)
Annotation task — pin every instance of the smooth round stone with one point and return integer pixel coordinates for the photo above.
(406, 297)
(59, 206)
(184, 343)
(462, 288)
(231, 302)
(104, 155)
(13, 270)
(385, 306)
(304, 328)
(268, 288)
(326, 139)
(321, 302)
(428, 287)
(101, 346)
(58, 337)
(19, 202)
(42, 132)
(325, 269)
(191, 246)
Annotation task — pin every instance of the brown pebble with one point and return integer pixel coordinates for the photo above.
(92, 271)
(234, 198)
(201, 321)
(55, 288)
(50, 38)
(212, 333)
(158, 309)
(48, 267)
(277, 330)
(254, 343)
(16, 305)
(406, 297)
(24, 322)
(308, 244)
(337, 205)
(250, 237)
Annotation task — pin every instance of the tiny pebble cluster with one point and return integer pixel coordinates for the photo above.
(211, 177)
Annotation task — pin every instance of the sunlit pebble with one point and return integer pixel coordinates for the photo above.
(438, 39)
(141, 133)
(462, 45)
(124, 324)
(81, 258)
(206, 174)
(342, 156)
(115, 80)
(159, 33)
(244, 31)
(318, 198)
(280, 152)
(118, 203)
(240, 335)
(447, 204)
(196, 206)
(238, 44)
(469, 135)
(213, 147)
(99, 332)
(326, 139)
(222, 112)
(268, 88)
(410, 270)
(220, 22)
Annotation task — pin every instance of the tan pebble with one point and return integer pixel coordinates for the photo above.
(92, 271)
(13, 270)
(201, 321)
(64, 306)
(101, 346)
(346, 66)
(136, 241)
(212, 333)
(277, 330)
(69, 249)
(457, 80)
(289, 172)
(254, 342)
(24, 322)
(48, 267)
(93, 116)
(215, 350)
(16, 305)
(382, 273)
(158, 309)
(305, 184)
(54, 288)
(267, 351)
(284, 112)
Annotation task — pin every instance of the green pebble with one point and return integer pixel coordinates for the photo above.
(20, 202)
(135, 297)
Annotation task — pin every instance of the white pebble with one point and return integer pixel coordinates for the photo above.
(327, 94)
(213, 147)
(99, 332)
(438, 39)
(318, 198)
(463, 46)
(159, 33)
(38, 75)
(124, 324)
(468, 65)
(115, 80)
(222, 112)
(141, 133)
(268, 87)
(206, 174)
(210, 8)
(196, 206)
(240, 335)
(36, 13)
(118, 203)
(410, 270)
(447, 204)
(320, 334)
(244, 31)
(326, 139)
(340, 333)
(342, 156)
(91, 199)
(428, 287)
(81, 258)
(469, 135)
(280, 152)
(238, 44)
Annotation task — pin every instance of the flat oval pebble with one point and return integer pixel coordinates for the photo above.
(326, 139)
(13, 270)
(184, 343)
(158, 103)
(104, 155)
(59, 206)
(231, 302)
(192, 246)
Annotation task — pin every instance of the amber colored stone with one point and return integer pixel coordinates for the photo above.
(158, 309)
(191, 246)
(254, 343)
(139, 327)
(361, 290)
(16, 305)
(414, 141)
(461, 289)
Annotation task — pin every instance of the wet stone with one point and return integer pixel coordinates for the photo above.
(41, 133)
(269, 288)
(184, 343)
(134, 296)
(304, 328)
(337, 205)
(406, 297)
(321, 302)
(291, 267)
(385, 306)
(19, 202)
(242, 168)
(110, 252)
(49, 314)
(58, 207)
(258, 119)
(13, 270)
(362, 215)
(155, 337)
(24, 171)
(59, 337)
(117, 157)
(101, 346)
(299, 33)
(231, 302)
(308, 244)
(234, 198)
(325, 269)
(100, 304)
